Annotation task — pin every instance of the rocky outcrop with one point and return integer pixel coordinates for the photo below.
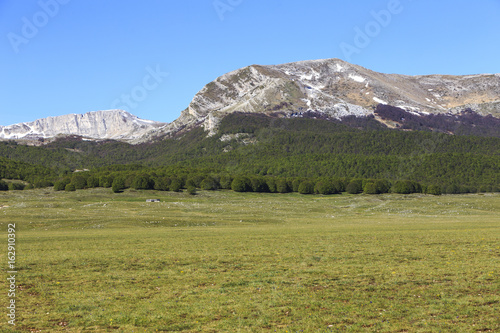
(112, 124)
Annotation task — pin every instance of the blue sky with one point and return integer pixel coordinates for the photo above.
(74, 56)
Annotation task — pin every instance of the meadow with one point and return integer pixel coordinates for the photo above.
(93, 261)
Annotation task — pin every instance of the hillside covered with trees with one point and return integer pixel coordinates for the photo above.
(257, 153)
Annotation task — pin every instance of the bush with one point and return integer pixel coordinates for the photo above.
(162, 184)
(306, 187)
(191, 190)
(143, 182)
(209, 184)
(355, 186)
(225, 182)
(16, 187)
(370, 188)
(241, 184)
(339, 185)
(326, 187)
(453, 189)
(383, 186)
(61, 184)
(92, 182)
(79, 181)
(259, 184)
(406, 187)
(175, 185)
(376, 187)
(271, 184)
(3, 186)
(295, 185)
(282, 186)
(118, 185)
(190, 182)
(106, 181)
(434, 190)
(70, 187)
(42, 183)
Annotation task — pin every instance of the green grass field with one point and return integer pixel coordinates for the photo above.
(93, 261)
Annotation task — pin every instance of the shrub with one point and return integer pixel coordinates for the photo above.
(225, 182)
(175, 185)
(70, 187)
(16, 187)
(406, 187)
(306, 187)
(282, 186)
(191, 190)
(79, 181)
(339, 185)
(162, 184)
(325, 187)
(241, 184)
(259, 184)
(42, 183)
(92, 182)
(209, 184)
(61, 184)
(295, 185)
(453, 189)
(118, 185)
(190, 182)
(271, 184)
(434, 190)
(355, 186)
(382, 186)
(143, 182)
(106, 181)
(3, 186)
(370, 188)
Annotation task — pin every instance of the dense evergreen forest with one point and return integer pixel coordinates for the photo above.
(269, 154)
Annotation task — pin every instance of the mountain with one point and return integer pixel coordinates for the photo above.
(329, 89)
(335, 89)
(112, 124)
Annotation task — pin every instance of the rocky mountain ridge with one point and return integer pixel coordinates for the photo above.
(331, 88)
(337, 89)
(111, 124)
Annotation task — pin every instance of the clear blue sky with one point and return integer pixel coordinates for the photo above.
(74, 56)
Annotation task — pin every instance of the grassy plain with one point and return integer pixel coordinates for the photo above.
(93, 261)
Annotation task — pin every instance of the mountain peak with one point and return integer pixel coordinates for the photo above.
(331, 88)
(336, 89)
(105, 124)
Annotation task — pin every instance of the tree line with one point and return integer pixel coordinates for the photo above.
(275, 148)
(193, 180)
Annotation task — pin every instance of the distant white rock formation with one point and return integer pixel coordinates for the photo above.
(111, 124)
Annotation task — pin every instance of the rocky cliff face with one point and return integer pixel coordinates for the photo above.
(112, 124)
(337, 89)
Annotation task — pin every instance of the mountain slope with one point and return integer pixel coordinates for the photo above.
(112, 124)
(335, 89)
(328, 89)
